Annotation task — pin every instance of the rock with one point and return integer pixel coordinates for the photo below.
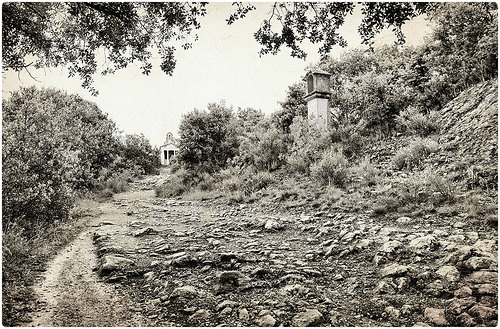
(463, 292)
(385, 287)
(482, 277)
(483, 313)
(402, 283)
(390, 247)
(484, 247)
(272, 225)
(436, 316)
(185, 261)
(460, 305)
(265, 321)
(424, 244)
(435, 288)
(185, 292)
(149, 276)
(110, 263)
(487, 289)
(144, 231)
(393, 270)
(466, 320)
(406, 309)
(224, 304)
(448, 273)
(230, 281)
(243, 315)
(477, 263)
(310, 317)
(200, 315)
(392, 313)
(404, 220)
(225, 311)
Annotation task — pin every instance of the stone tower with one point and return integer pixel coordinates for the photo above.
(318, 97)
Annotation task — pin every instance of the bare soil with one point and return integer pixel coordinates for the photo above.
(146, 261)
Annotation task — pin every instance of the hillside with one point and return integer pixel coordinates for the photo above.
(299, 257)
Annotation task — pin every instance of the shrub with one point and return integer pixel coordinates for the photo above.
(176, 185)
(427, 186)
(331, 169)
(412, 155)
(418, 123)
(366, 172)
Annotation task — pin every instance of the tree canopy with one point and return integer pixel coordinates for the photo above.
(72, 34)
(51, 34)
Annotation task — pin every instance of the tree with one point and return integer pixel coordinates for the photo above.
(139, 152)
(208, 139)
(293, 106)
(319, 23)
(51, 34)
(53, 144)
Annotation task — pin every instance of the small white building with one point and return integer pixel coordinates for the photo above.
(168, 150)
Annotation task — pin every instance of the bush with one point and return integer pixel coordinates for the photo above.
(246, 182)
(331, 169)
(414, 121)
(176, 185)
(427, 186)
(366, 172)
(412, 155)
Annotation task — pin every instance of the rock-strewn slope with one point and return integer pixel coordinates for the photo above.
(196, 264)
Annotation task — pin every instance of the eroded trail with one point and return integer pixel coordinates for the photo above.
(159, 262)
(72, 293)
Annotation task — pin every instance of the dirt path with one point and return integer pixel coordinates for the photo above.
(160, 262)
(72, 293)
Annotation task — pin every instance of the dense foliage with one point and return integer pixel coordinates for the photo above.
(376, 94)
(207, 139)
(55, 144)
(77, 34)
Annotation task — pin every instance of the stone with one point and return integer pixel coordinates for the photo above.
(404, 220)
(243, 315)
(384, 287)
(448, 273)
(225, 311)
(406, 309)
(272, 225)
(487, 289)
(200, 315)
(110, 263)
(436, 316)
(484, 247)
(392, 312)
(393, 270)
(224, 304)
(185, 292)
(424, 244)
(477, 263)
(144, 231)
(265, 321)
(460, 305)
(463, 292)
(390, 247)
(308, 318)
(482, 277)
(435, 288)
(483, 313)
(466, 320)
(402, 283)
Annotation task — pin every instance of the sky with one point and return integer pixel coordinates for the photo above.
(222, 65)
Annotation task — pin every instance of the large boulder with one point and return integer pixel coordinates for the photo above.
(308, 318)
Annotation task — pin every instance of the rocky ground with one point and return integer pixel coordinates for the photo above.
(160, 262)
